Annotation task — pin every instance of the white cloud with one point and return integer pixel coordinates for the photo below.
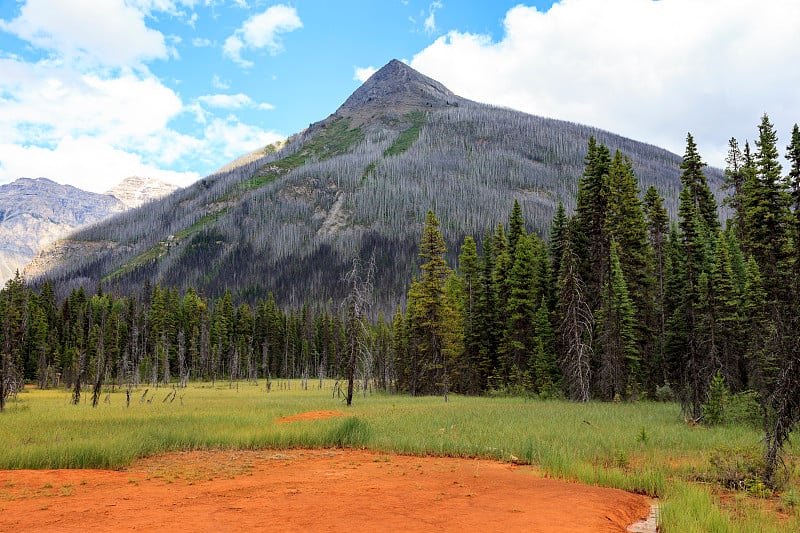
(430, 20)
(199, 42)
(110, 32)
(65, 102)
(362, 74)
(92, 131)
(85, 162)
(645, 69)
(262, 32)
(219, 83)
(232, 101)
(233, 138)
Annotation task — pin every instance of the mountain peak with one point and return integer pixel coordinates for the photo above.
(397, 87)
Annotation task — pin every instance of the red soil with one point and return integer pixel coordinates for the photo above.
(309, 490)
(312, 415)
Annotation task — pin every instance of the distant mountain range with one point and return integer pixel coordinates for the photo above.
(291, 218)
(36, 212)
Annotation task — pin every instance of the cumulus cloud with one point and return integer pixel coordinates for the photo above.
(262, 31)
(85, 162)
(92, 131)
(233, 138)
(650, 70)
(362, 74)
(232, 101)
(71, 30)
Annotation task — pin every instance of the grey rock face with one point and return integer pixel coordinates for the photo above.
(36, 212)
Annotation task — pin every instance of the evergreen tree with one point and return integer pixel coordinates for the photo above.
(488, 320)
(518, 339)
(589, 237)
(698, 223)
(735, 173)
(428, 316)
(657, 231)
(469, 270)
(766, 208)
(544, 367)
(558, 233)
(516, 229)
(619, 358)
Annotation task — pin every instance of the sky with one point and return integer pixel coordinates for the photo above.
(93, 91)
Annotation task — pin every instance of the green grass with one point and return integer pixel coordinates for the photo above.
(408, 135)
(641, 447)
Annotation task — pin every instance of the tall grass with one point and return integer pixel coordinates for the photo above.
(641, 447)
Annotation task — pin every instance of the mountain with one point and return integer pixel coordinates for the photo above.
(36, 212)
(135, 191)
(291, 218)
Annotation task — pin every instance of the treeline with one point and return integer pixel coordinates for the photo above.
(167, 338)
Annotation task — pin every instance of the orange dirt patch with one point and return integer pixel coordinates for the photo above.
(312, 415)
(309, 490)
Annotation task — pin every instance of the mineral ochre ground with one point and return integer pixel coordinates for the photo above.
(310, 490)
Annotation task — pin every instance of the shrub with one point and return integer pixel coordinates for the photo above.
(739, 469)
(718, 394)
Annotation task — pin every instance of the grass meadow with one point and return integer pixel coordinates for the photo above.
(642, 447)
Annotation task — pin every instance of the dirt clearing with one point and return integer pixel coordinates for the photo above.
(309, 490)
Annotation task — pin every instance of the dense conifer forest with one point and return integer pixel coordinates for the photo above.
(618, 301)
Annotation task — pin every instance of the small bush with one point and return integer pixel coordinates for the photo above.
(743, 408)
(739, 469)
(664, 394)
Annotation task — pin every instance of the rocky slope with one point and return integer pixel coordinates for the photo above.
(34, 213)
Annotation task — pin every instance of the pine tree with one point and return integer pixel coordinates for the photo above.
(658, 231)
(516, 229)
(428, 317)
(469, 270)
(766, 208)
(619, 357)
(520, 309)
(488, 321)
(590, 240)
(558, 233)
(626, 226)
(544, 366)
(735, 185)
(722, 310)
(698, 224)
(793, 182)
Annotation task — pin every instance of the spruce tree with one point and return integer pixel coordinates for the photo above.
(429, 319)
(658, 232)
(619, 358)
(518, 339)
(469, 270)
(698, 224)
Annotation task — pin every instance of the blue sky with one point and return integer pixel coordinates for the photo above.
(92, 91)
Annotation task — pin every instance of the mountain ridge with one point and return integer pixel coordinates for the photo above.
(35, 212)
